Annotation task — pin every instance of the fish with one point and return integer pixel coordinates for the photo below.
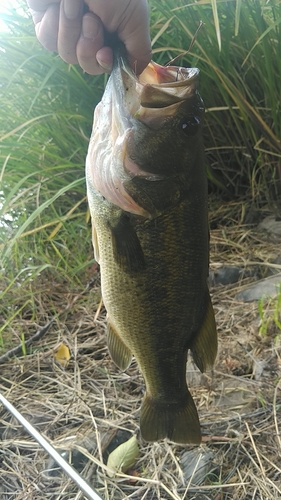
(147, 193)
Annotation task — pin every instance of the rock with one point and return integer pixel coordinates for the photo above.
(197, 465)
(225, 275)
(74, 457)
(268, 287)
(272, 225)
(120, 437)
(258, 367)
(234, 393)
(77, 458)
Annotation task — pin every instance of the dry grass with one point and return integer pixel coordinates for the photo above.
(83, 406)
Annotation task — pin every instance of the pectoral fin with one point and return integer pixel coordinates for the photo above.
(126, 245)
(119, 352)
(205, 345)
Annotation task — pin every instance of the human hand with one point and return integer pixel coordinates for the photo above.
(78, 36)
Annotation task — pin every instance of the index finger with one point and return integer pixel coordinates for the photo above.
(38, 8)
(135, 35)
(40, 5)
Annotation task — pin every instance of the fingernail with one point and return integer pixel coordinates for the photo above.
(104, 65)
(72, 8)
(90, 27)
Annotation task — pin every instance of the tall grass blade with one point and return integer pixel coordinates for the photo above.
(37, 212)
(161, 31)
(258, 41)
(237, 16)
(216, 22)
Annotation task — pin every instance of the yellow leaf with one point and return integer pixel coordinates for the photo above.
(62, 356)
(123, 457)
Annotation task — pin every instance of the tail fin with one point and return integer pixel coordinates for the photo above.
(178, 422)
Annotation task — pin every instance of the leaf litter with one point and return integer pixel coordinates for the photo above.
(88, 407)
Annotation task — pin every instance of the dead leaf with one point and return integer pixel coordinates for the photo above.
(62, 356)
(123, 457)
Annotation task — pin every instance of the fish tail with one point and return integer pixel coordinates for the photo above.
(178, 422)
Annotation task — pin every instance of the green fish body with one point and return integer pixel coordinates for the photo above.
(147, 192)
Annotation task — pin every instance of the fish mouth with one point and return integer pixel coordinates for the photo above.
(157, 93)
(152, 98)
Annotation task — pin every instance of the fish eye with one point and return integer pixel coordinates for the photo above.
(190, 125)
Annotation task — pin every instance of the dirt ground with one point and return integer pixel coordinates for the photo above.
(88, 407)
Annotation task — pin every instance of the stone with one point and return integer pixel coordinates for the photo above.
(197, 465)
(226, 275)
(271, 224)
(269, 287)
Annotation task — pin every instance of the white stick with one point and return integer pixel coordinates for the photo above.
(70, 471)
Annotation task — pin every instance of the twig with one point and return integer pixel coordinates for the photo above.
(18, 350)
(70, 471)
(223, 439)
(98, 310)
(275, 416)
(255, 450)
(190, 46)
(191, 477)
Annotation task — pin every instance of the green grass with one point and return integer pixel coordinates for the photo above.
(46, 110)
(270, 316)
(239, 84)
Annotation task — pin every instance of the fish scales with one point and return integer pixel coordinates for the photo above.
(154, 259)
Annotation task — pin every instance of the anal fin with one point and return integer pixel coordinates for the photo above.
(205, 345)
(119, 352)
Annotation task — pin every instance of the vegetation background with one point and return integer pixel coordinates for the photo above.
(46, 119)
(46, 111)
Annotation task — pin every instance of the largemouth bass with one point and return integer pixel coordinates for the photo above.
(147, 191)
